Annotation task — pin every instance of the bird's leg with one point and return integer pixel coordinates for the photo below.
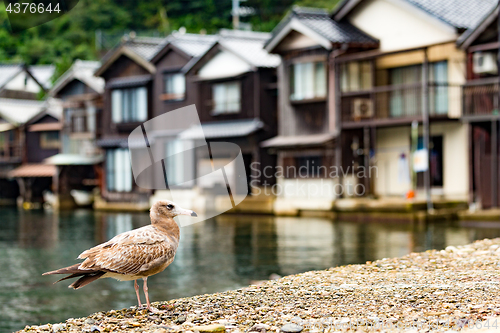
(145, 288)
(136, 287)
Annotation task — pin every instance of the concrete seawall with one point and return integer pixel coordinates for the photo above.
(448, 290)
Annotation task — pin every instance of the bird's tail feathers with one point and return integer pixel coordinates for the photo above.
(86, 276)
(67, 270)
(85, 279)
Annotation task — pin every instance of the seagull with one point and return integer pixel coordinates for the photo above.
(132, 255)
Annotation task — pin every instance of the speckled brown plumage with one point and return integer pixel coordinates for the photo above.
(134, 254)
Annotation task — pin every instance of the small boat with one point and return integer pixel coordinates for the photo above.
(82, 198)
(50, 199)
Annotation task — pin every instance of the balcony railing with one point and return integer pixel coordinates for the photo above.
(481, 97)
(10, 152)
(398, 102)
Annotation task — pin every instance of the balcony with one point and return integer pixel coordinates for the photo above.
(10, 153)
(480, 98)
(398, 103)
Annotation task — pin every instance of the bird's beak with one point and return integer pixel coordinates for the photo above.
(182, 211)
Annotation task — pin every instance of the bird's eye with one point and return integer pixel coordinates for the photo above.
(169, 206)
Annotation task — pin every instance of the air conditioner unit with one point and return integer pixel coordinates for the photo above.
(484, 63)
(362, 108)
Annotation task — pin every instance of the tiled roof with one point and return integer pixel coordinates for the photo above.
(464, 41)
(223, 129)
(7, 72)
(192, 44)
(113, 143)
(298, 140)
(145, 47)
(83, 71)
(462, 14)
(43, 74)
(19, 111)
(320, 22)
(33, 170)
(249, 46)
(459, 13)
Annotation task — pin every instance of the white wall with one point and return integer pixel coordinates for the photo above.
(18, 83)
(390, 144)
(223, 64)
(455, 159)
(399, 25)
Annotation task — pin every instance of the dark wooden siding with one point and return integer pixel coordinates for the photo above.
(123, 67)
(247, 111)
(34, 152)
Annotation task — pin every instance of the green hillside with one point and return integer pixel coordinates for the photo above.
(73, 35)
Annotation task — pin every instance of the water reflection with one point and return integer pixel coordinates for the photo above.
(223, 253)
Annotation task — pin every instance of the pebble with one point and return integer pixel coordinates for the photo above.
(291, 328)
(435, 291)
(58, 327)
(210, 328)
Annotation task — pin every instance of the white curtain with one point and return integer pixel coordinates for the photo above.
(178, 84)
(119, 170)
(116, 105)
(320, 80)
(142, 104)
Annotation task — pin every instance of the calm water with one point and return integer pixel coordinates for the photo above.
(224, 253)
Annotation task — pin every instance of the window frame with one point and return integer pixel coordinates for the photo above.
(173, 96)
(319, 92)
(125, 96)
(226, 104)
(46, 143)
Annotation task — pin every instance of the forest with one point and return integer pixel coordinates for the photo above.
(93, 26)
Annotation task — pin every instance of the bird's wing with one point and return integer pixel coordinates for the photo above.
(131, 252)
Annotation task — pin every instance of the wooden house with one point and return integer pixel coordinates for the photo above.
(308, 40)
(481, 110)
(41, 140)
(402, 68)
(237, 99)
(20, 86)
(127, 103)
(414, 77)
(81, 95)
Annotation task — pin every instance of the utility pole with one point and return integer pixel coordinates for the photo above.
(236, 14)
(426, 132)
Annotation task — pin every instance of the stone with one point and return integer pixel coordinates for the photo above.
(291, 328)
(58, 327)
(180, 320)
(89, 321)
(95, 329)
(259, 328)
(217, 328)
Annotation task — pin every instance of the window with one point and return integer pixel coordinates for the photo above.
(6, 141)
(179, 162)
(226, 98)
(49, 140)
(128, 105)
(438, 94)
(174, 87)
(355, 76)
(118, 170)
(407, 100)
(308, 81)
(78, 123)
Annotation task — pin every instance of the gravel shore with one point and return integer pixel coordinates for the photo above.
(449, 290)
